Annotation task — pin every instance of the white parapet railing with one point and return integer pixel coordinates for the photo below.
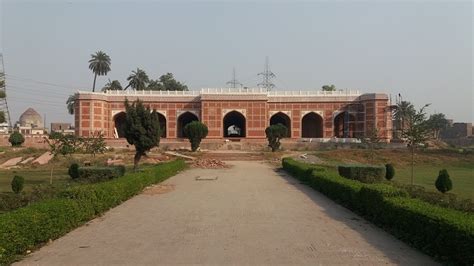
(229, 91)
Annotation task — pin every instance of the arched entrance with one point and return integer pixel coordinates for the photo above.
(344, 125)
(312, 126)
(119, 120)
(234, 125)
(162, 120)
(281, 118)
(183, 120)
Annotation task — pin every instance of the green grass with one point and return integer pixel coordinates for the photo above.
(32, 177)
(425, 175)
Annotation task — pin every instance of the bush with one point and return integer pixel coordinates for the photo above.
(17, 184)
(362, 173)
(389, 171)
(300, 169)
(98, 174)
(443, 233)
(195, 132)
(443, 182)
(274, 134)
(28, 227)
(16, 139)
(73, 170)
(121, 169)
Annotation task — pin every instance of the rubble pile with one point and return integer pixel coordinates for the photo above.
(209, 163)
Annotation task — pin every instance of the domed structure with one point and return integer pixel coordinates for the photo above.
(31, 118)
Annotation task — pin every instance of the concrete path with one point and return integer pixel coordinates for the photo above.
(247, 214)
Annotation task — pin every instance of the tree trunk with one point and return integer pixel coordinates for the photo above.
(136, 159)
(412, 162)
(126, 87)
(93, 86)
(51, 176)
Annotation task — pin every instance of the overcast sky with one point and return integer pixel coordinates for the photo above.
(422, 50)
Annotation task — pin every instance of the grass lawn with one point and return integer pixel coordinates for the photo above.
(427, 166)
(32, 177)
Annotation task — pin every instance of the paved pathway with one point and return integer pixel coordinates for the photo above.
(251, 214)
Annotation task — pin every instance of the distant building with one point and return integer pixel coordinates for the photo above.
(457, 130)
(64, 128)
(4, 128)
(30, 123)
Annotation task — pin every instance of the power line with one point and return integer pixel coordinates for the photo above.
(267, 75)
(234, 82)
(42, 82)
(3, 88)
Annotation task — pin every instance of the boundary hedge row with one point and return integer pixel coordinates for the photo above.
(446, 234)
(30, 226)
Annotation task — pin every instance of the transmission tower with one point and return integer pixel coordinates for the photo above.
(3, 95)
(234, 82)
(267, 75)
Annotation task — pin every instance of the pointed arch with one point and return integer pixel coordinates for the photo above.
(184, 119)
(312, 126)
(344, 125)
(281, 118)
(234, 124)
(119, 124)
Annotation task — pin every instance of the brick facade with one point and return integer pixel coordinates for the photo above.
(307, 114)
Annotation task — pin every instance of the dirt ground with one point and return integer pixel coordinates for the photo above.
(251, 213)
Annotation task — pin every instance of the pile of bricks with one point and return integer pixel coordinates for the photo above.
(209, 163)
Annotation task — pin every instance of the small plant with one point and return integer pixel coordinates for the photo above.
(17, 184)
(74, 171)
(274, 134)
(16, 139)
(443, 182)
(389, 171)
(195, 132)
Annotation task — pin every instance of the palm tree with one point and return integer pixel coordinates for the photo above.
(138, 80)
(403, 110)
(112, 86)
(71, 101)
(99, 64)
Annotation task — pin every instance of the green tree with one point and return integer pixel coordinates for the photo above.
(437, 122)
(2, 117)
(443, 182)
(416, 132)
(195, 132)
(71, 103)
(113, 85)
(403, 110)
(329, 88)
(62, 145)
(389, 171)
(166, 82)
(154, 85)
(142, 129)
(94, 144)
(372, 140)
(17, 184)
(138, 80)
(100, 65)
(16, 139)
(274, 135)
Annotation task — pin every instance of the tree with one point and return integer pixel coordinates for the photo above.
(403, 110)
(138, 80)
(195, 132)
(112, 86)
(154, 85)
(443, 182)
(389, 171)
(166, 82)
(274, 134)
(17, 184)
(62, 145)
(99, 64)
(371, 140)
(2, 117)
(329, 88)
(94, 144)
(437, 122)
(142, 129)
(71, 103)
(416, 132)
(16, 139)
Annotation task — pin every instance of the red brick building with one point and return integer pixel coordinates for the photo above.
(242, 113)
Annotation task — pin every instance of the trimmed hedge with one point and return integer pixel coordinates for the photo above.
(362, 173)
(97, 174)
(25, 228)
(444, 233)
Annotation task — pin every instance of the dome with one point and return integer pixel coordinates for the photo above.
(31, 118)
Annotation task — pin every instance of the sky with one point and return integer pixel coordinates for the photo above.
(422, 50)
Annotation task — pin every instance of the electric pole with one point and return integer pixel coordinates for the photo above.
(267, 75)
(234, 82)
(3, 96)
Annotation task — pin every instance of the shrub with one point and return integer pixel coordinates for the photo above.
(300, 169)
(443, 233)
(27, 227)
(443, 182)
(121, 169)
(16, 139)
(17, 184)
(195, 132)
(97, 174)
(362, 173)
(389, 171)
(274, 134)
(73, 170)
